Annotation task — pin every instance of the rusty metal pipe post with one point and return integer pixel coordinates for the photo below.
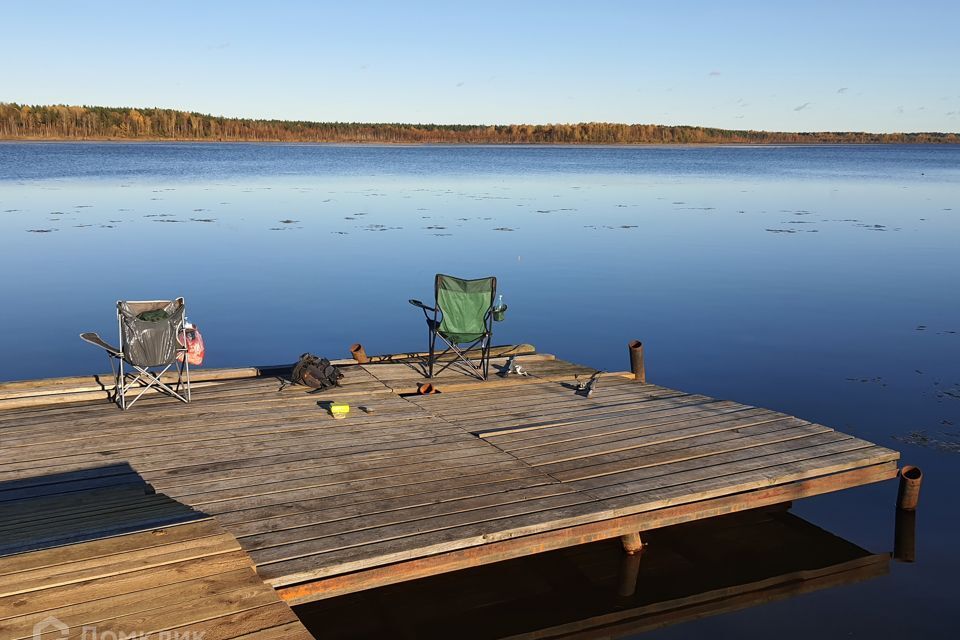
(358, 353)
(629, 571)
(909, 493)
(636, 361)
(905, 536)
(631, 542)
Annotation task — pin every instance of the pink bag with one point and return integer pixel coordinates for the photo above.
(195, 348)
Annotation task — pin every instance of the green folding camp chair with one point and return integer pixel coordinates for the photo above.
(463, 318)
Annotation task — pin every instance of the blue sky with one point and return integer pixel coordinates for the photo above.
(797, 66)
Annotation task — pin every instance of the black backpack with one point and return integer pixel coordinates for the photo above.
(315, 372)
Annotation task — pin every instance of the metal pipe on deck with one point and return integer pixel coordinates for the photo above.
(909, 493)
(358, 353)
(637, 365)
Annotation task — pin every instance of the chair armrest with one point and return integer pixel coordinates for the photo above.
(417, 303)
(97, 341)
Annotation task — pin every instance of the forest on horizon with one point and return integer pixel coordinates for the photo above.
(63, 122)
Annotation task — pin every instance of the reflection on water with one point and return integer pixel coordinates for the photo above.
(687, 572)
(818, 281)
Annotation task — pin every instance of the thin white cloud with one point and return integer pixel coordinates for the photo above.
(802, 106)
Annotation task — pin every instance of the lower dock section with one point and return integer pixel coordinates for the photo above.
(187, 580)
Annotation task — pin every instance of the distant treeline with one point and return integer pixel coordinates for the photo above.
(60, 122)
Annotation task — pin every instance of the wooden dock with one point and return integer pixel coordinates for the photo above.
(418, 485)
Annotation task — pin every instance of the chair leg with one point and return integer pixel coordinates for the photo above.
(152, 380)
(121, 387)
(433, 346)
(183, 377)
(486, 358)
(185, 365)
(463, 360)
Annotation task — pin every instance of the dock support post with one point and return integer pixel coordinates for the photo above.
(631, 542)
(629, 570)
(909, 493)
(636, 361)
(905, 536)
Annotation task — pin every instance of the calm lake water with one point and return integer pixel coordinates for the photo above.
(819, 281)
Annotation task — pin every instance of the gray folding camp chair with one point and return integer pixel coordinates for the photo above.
(462, 315)
(152, 341)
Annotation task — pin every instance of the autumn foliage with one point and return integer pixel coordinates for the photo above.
(61, 122)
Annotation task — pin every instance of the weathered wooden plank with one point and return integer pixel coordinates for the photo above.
(424, 516)
(722, 464)
(200, 473)
(192, 577)
(332, 431)
(81, 570)
(311, 419)
(679, 450)
(357, 542)
(243, 623)
(558, 429)
(167, 457)
(287, 631)
(633, 446)
(273, 516)
(109, 546)
(318, 477)
(404, 461)
(149, 467)
(496, 551)
(539, 422)
(318, 489)
(619, 435)
(550, 415)
(232, 416)
(135, 601)
(214, 616)
(89, 591)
